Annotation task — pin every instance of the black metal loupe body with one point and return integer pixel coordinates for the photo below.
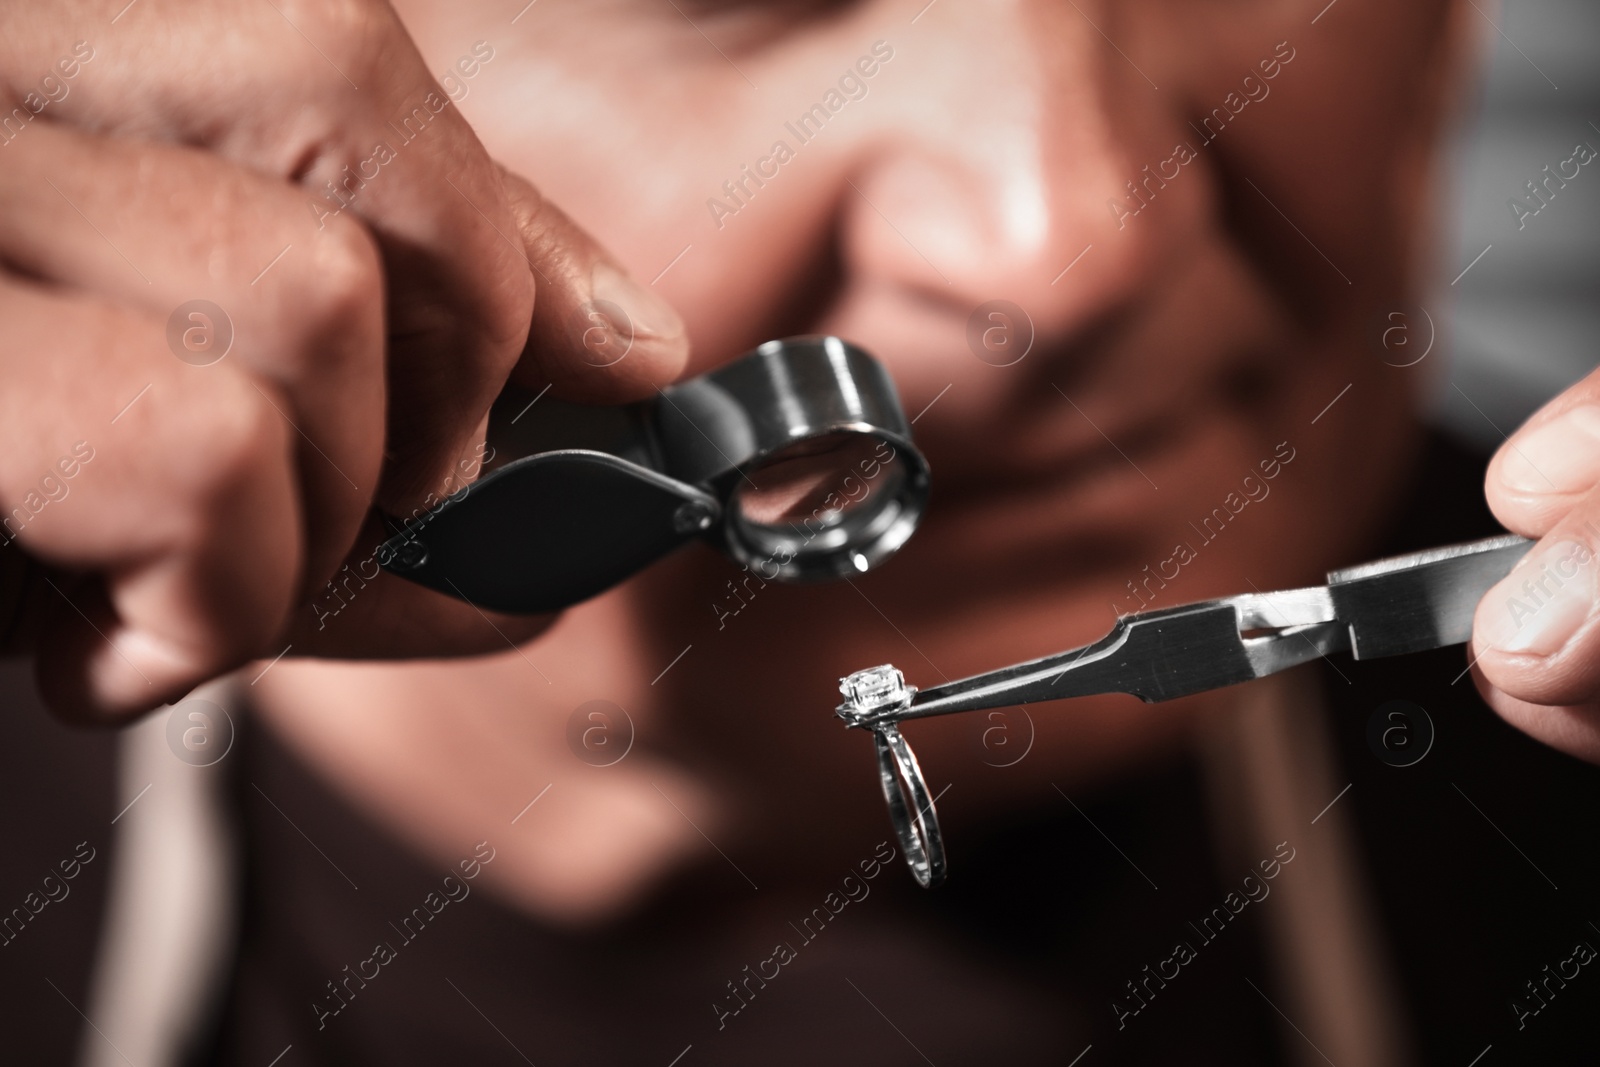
(795, 459)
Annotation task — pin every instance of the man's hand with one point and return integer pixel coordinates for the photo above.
(258, 277)
(1535, 637)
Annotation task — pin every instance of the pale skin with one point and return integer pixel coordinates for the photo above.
(1198, 336)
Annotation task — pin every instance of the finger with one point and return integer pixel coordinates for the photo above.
(1570, 728)
(598, 335)
(1536, 643)
(175, 490)
(239, 275)
(1549, 464)
(334, 98)
(1536, 634)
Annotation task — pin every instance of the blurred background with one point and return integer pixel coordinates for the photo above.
(1518, 321)
(1523, 322)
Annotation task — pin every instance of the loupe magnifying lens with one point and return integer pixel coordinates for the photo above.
(824, 506)
(795, 459)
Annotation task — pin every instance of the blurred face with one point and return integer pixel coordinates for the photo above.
(1191, 215)
(1121, 258)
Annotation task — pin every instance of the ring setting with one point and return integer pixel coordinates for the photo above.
(872, 699)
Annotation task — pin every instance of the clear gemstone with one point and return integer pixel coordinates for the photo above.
(875, 689)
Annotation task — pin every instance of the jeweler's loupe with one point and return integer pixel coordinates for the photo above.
(796, 460)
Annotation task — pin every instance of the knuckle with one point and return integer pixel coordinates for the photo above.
(507, 292)
(230, 442)
(348, 33)
(337, 305)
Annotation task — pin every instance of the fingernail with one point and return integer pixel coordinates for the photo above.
(1561, 456)
(648, 314)
(1537, 608)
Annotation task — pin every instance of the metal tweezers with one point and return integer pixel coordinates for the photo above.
(1390, 607)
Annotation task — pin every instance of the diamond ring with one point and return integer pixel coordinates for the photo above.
(870, 699)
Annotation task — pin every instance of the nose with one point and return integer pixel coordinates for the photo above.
(1018, 156)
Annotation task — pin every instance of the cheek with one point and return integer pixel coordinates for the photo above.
(1384, 124)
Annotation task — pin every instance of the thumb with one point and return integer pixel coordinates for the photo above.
(598, 335)
(1536, 634)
